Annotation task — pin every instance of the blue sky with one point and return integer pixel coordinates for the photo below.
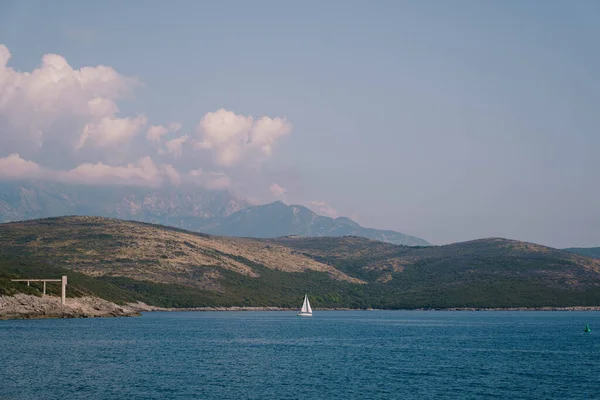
(446, 120)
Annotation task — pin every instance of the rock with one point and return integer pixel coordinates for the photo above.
(22, 306)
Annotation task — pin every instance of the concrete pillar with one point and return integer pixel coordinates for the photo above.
(27, 283)
(44, 292)
(64, 290)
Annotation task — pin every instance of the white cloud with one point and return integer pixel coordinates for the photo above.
(64, 124)
(110, 131)
(322, 208)
(142, 173)
(234, 138)
(156, 132)
(4, 57)
(277, 190)
(55, 101)
(98, 107)
(209, 180)
(171, 173)
(266, 131)
(175, 146)
(14, 167)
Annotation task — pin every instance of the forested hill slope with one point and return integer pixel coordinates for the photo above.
(128, 261)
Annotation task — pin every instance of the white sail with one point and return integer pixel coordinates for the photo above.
(306, 309)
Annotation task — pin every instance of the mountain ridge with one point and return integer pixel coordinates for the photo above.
(299, 220)
(186, 207)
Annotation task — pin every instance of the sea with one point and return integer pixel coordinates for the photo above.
(331, 355)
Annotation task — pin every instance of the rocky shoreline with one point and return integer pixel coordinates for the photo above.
(22, 306)
(143, 307)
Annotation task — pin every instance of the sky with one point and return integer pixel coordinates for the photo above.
(450, 121)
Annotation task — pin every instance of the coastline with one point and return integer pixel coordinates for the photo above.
(22, 306)
(142, 307)
(570, 308)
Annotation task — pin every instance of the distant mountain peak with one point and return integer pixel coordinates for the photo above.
(277, 219)
(187, 207)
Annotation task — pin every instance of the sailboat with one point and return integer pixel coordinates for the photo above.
(305, 311)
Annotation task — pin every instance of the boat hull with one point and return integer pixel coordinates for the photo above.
(302, 314)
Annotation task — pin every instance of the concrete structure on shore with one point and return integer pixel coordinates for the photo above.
(62, 280)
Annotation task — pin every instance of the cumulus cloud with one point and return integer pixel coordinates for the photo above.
(14, 167)
(175, 146)
(322, 208)
(56, 100)
(156, 132)
(277, 191)
(110, 131)
(209, 180)
(63, 123)
(171, 174)
(235, 138)
(141, 173)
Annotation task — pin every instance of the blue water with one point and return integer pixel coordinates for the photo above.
(276, 355)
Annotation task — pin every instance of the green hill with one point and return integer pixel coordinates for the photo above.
(493, 272)
(126, 261)
(593, 252)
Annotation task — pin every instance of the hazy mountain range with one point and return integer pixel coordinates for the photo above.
(278, 219)
(187, 207)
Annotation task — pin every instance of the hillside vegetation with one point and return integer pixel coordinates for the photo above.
(128, 261)
(593, 252)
